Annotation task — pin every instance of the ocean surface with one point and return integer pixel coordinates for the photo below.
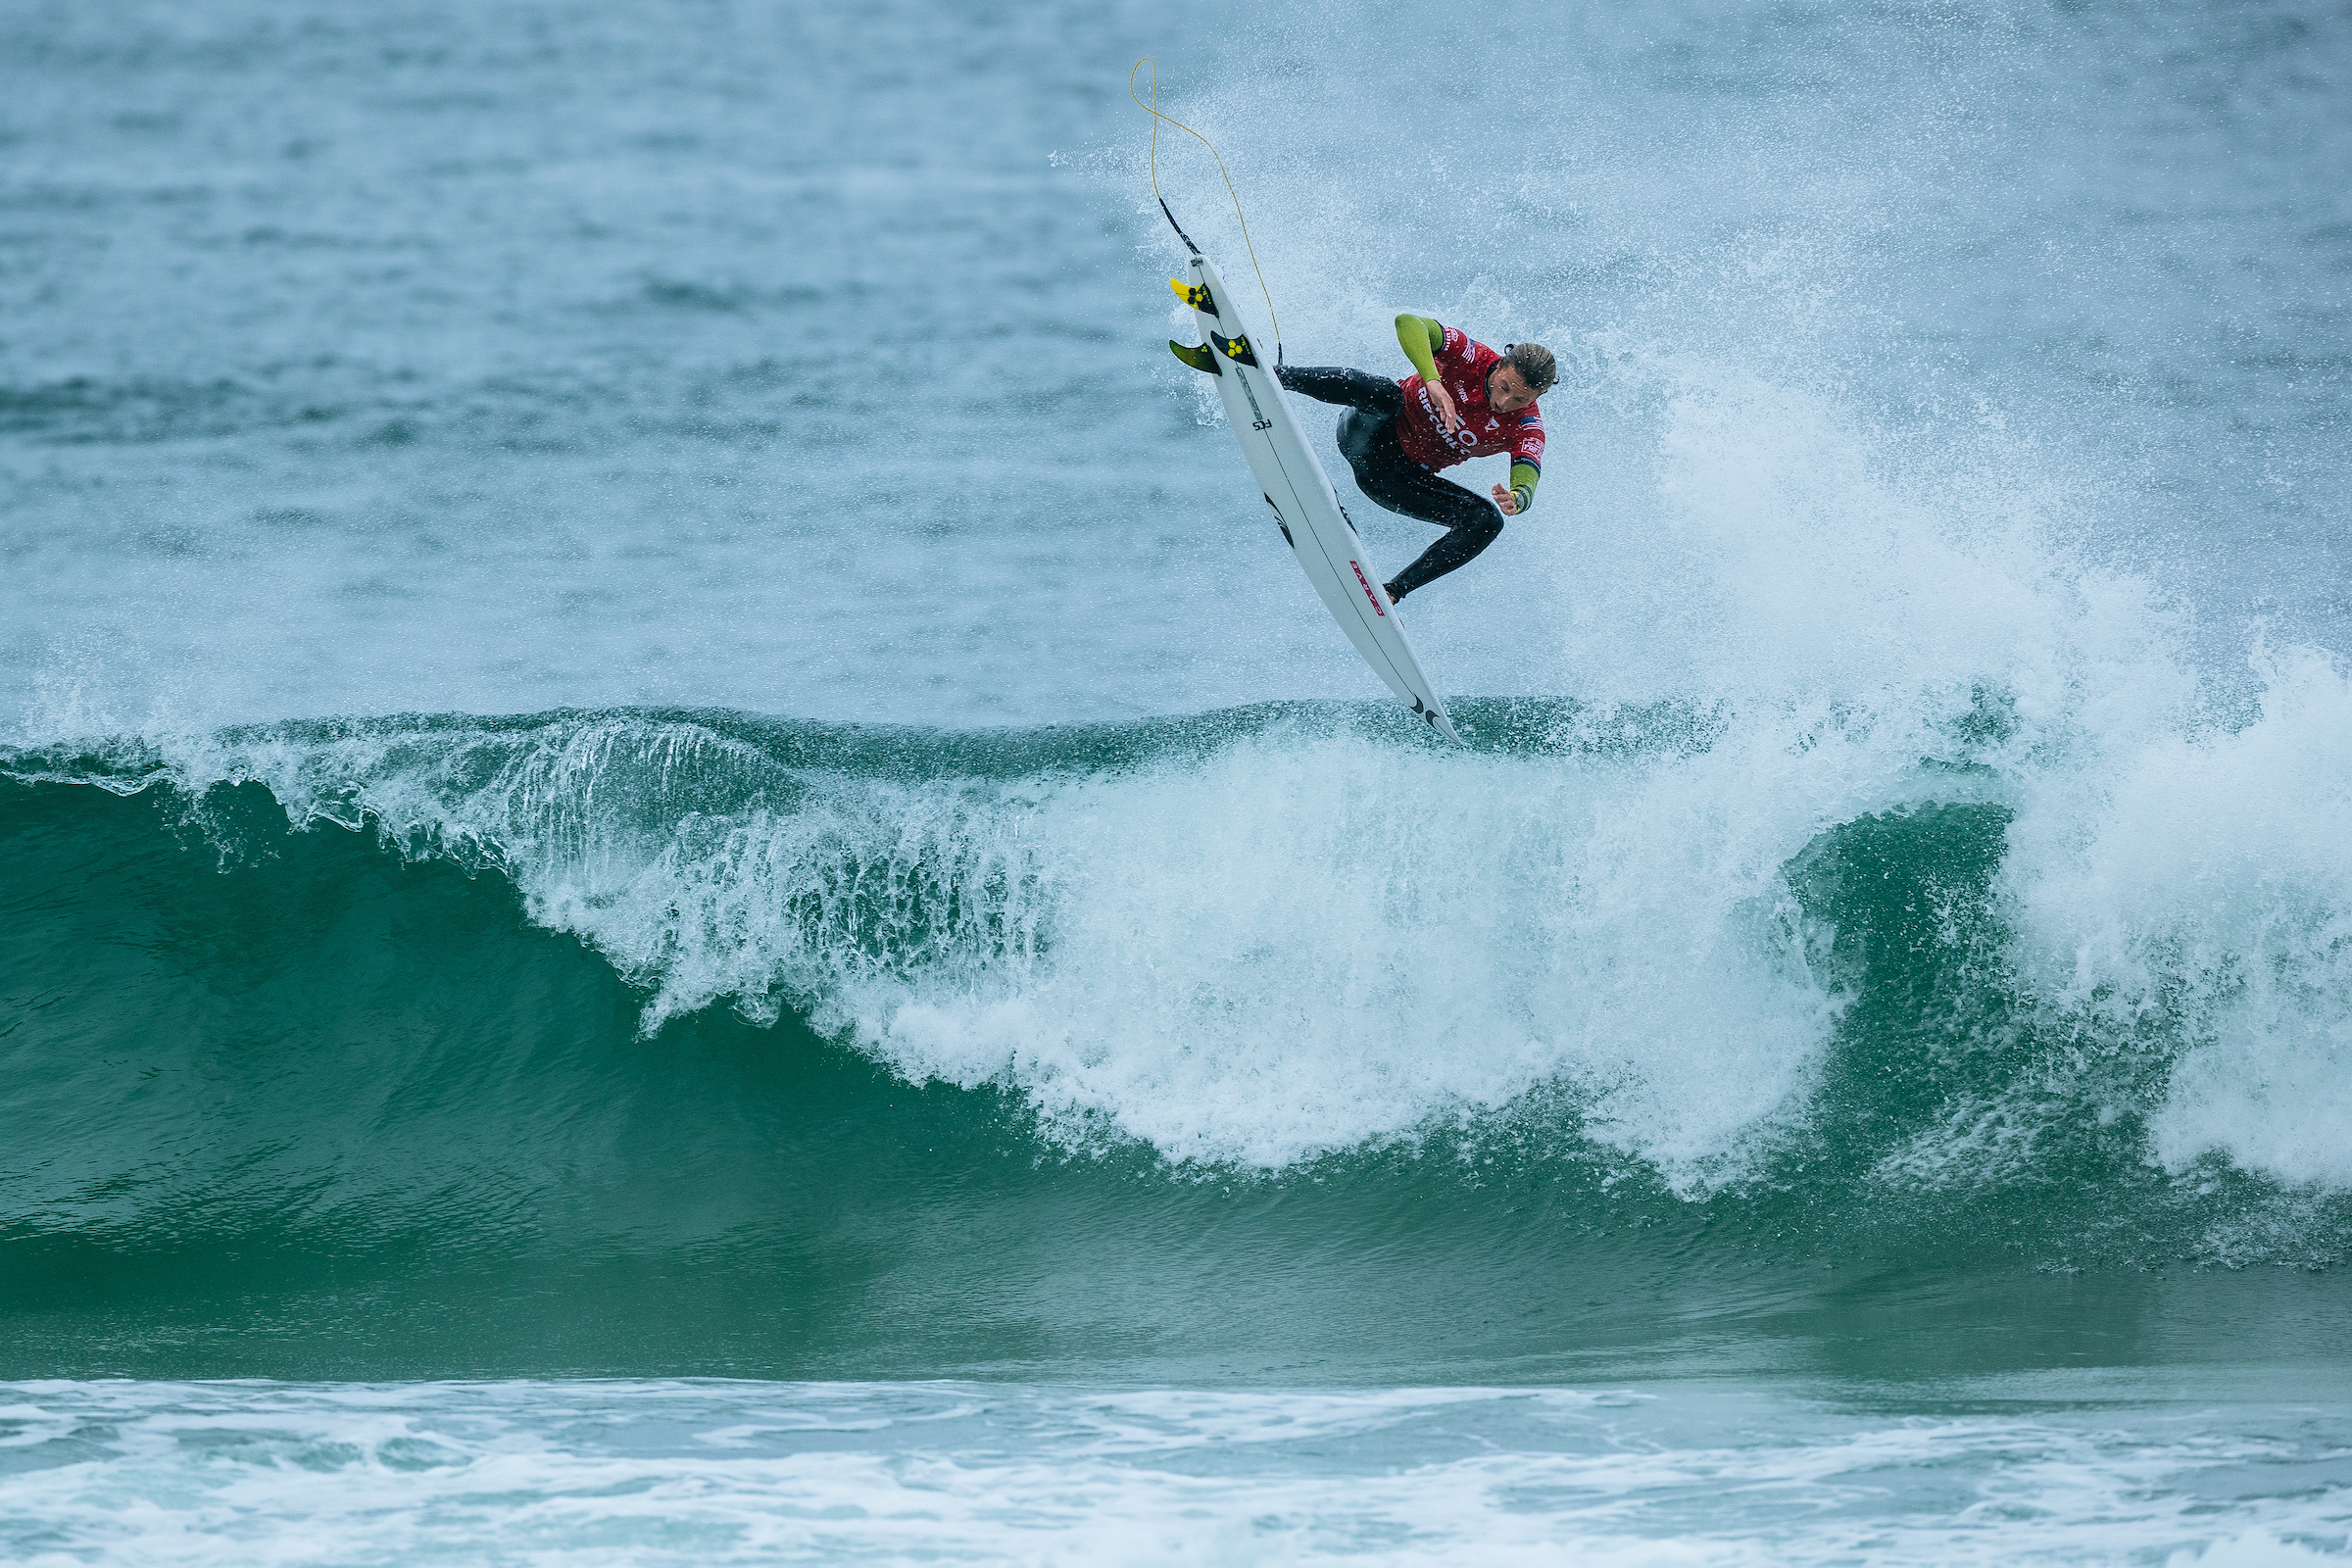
(684, 879)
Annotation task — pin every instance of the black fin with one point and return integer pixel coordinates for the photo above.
(1236, 348)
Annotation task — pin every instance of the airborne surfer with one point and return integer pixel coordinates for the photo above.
(1463, 401)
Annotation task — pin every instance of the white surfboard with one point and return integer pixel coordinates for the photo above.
(1306, 507)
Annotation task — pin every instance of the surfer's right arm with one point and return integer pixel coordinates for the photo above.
(1421, 338)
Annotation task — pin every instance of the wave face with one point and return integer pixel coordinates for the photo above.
(815, 1046)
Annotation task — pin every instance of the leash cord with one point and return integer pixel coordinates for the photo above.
(1152, 109)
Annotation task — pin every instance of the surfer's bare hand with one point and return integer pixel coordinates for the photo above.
(1505, 502)
(1442, 401)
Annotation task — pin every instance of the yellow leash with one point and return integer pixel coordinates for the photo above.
(1152, 109)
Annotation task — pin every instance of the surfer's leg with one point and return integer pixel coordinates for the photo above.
(1396, 481)
(1353, 389)
(1471, 522)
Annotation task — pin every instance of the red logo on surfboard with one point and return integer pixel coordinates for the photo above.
(1378, 608)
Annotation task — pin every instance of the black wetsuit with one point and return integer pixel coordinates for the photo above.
(1368, 441)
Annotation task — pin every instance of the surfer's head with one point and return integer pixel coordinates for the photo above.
(1525, 373)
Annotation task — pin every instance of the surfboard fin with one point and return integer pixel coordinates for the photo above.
(1196, 355)
(1280, 523)
(1194, 294)
(1236, 348)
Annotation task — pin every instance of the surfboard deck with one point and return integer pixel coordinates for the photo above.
(1306, 509)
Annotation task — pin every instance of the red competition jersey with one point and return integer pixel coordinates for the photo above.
(1463, 364)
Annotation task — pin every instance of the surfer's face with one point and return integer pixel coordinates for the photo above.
(1506, 390)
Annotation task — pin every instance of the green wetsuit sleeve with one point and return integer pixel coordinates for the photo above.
(1421, 338)
(1524, 475)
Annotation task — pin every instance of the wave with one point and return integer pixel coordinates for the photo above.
(1669, 952)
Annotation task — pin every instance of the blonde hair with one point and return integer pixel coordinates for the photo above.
(1535, 365)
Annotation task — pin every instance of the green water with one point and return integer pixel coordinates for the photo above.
(295, 1103)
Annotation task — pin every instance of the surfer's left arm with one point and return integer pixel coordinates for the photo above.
(1522, 493)
(1527, 467)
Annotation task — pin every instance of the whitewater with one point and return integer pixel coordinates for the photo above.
(686, 883)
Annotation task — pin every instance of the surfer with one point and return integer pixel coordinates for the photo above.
(1463, 401)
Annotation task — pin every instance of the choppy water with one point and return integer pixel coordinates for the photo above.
(722, 1472)
(684, 881)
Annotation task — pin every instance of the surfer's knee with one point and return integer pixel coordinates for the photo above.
(1477, 517)
(1476, 525)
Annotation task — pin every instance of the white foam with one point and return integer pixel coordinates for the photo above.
(2256, 1549)
(2198, 892)
(1298, 946)
(723, 1473)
